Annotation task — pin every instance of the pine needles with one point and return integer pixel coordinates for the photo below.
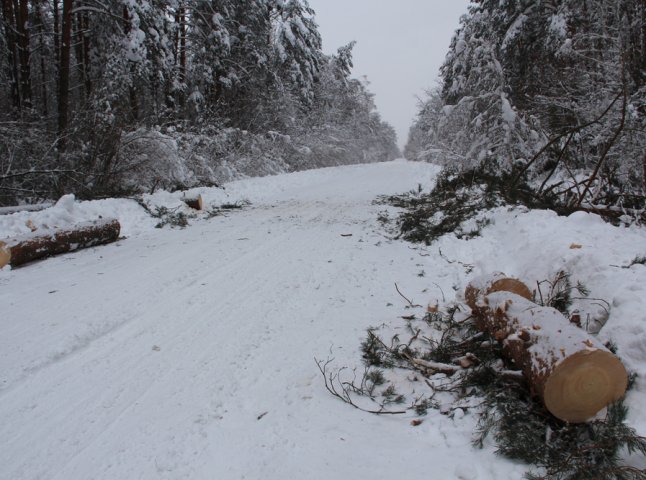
(457, 197)
(454, 358)
(524, 430)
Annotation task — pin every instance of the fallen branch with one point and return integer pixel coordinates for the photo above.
(613, 212)
(342, 390)
(435, 366)
(404, 297)
(606, 150)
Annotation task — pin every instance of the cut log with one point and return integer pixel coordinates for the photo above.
(21, 250)
(195, 203)
(5, 254)
(572, 372)
(495, 282)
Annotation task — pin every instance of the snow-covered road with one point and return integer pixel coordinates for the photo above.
(189, 353)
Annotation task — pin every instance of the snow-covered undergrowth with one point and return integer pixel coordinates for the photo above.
(188, 353)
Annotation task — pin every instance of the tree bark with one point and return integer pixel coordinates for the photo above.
(132, 92)
(77, 35)
(182, 53)
(83, 52)
(570, 371)
(19, 251)
(64, 72)
(43, 68)
(57, 32)
(12, 50)
(87, 73)
(24, 52)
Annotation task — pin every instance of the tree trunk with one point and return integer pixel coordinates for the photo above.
(132, 92)
(64, 72)
(24, 52)
(182, 53)
(43, 68)
(19, 251)
(643, 45)
(12, 50)
(572, 372)
(82, 50)
(57, 32)
(85, 23)
(195, 203)
(77, 34)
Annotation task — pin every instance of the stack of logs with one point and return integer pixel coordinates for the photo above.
(570, 371)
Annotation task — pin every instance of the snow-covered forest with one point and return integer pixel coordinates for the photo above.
(101, 98)
(552, 92)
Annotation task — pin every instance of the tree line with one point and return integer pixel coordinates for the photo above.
(550, 93)
(107, 96)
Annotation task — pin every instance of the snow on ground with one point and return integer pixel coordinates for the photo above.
(189, 353)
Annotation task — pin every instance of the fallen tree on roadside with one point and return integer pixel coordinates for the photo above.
(569, 370)
(21, 250)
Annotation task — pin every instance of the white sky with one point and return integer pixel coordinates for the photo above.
(400, 47)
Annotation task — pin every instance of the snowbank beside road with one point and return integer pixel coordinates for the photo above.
(260, 191)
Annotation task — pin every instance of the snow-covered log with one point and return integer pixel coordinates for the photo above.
(613, 212)
(196, 203)
(572, 372)
(25, 208)
(21, 250)
(495, 282)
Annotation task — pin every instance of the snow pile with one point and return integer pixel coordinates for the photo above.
(536, 245)
(67, 213)
(134, 219)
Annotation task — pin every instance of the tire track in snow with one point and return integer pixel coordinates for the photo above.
(227, 351)
(259, 262)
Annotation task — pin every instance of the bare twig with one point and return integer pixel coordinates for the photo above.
(341, 389)
(442, 291)
(562, 135)
(404, 297)
(435, 366)
(35, 172)
(467, 266)
(606, 150)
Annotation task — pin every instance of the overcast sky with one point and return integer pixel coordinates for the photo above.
(400, 47)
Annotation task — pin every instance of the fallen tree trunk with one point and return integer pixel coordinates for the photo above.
(195, 203)
(572, 372)
(25, 208)
(613, 212)
(21, 250)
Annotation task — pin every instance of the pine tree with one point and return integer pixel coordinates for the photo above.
(552, 89)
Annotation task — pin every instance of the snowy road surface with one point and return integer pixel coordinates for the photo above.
(189, 354)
